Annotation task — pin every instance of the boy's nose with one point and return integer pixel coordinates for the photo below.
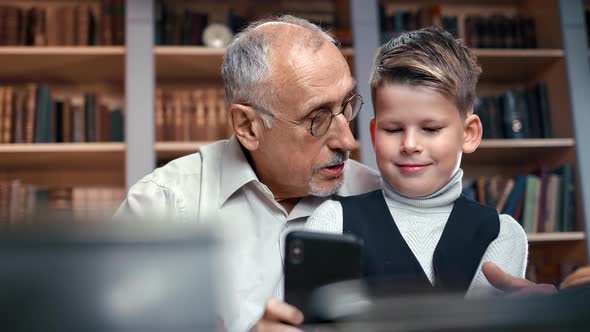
(410, 143)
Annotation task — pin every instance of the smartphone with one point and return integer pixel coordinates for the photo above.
(313, 260)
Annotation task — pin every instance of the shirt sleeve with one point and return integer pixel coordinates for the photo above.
(508, 251)
(148, 200)
(326, 218)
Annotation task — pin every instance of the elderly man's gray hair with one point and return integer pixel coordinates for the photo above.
(246, 65)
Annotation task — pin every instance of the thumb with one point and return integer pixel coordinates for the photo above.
(502, 280)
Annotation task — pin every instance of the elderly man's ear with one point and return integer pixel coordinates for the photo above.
(247, 125)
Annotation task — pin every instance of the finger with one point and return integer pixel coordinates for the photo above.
(579, 276)
(535, 289)
(578, 282)
(502, 280)
(277, 310)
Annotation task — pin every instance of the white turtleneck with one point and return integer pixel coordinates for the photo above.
(421, 221)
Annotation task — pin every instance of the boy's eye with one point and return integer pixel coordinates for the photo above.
(432, 129)
(393, 130)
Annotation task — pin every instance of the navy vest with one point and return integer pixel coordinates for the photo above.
(388, 259)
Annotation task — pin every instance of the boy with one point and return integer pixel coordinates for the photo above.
(418, 230)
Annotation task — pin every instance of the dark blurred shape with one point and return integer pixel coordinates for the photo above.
(106, 277)
(305, 268)
(350, 308)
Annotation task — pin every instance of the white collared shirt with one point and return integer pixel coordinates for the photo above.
(219, 186)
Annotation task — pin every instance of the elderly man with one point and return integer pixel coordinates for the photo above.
(291, 98)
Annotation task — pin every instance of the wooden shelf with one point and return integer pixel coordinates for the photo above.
(518, 151)
(172, 150)
(515, 65)
(557, 236)
(68, 64)
(195, 63)
(49, 156)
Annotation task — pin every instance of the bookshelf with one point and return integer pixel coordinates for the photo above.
(73, 49)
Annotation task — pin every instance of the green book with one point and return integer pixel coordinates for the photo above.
(117, 126)
(530, 213)
(43, 116)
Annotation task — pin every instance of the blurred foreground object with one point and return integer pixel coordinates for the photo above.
(106, 277)
(349, 307)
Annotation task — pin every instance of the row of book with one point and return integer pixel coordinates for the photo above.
(393, 22)
(516, 114)
(182, 25)
(541, 202)
(331, 15)
(176, 26)
(500, 31)
(31, 115)
(58, 24)
(495, 31)
(191, 115)
(20, 202)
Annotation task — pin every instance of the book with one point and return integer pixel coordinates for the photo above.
(508, 186)
(515, 197)
(43, 115)
(542, 202)
(567, 202)
(531, 201)
(67, 125)
(30, 112)
(514, 111)
(2, 111)
(552, 201)
(58, 107)
(541, 94)
(90, 117)
(117, 126)
(18, 135)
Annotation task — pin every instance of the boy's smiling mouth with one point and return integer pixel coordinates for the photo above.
(412, 168)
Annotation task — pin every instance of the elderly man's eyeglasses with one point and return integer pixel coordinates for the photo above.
(321, 121)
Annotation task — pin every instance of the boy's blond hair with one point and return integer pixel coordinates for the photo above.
(429, 58)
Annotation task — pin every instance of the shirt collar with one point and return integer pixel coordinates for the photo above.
(235, 170)
(305, 207)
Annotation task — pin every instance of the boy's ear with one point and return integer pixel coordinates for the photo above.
(372, 130)
(246, 125)
(473, 132)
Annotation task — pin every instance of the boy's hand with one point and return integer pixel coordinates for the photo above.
(277, 314)
(514, 285)
(580, 277)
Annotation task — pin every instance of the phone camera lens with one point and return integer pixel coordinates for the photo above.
(296, 251)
